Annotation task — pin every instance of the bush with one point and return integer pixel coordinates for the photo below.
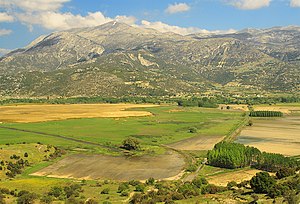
(193, 130)
(125, 193)
(191, 168)
(150, 181)
(27, 198)
(91, 201)
(123, 187)
(262, 182)
(134, 182)
(46, 199)
(56, 191)
(231, 184)
(105, 191)
(285, 172)
(130, 144)
(140, 188)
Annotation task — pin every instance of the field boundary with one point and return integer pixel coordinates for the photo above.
(235, 131)
(61, 137)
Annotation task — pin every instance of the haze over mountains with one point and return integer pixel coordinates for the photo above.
(116, 59)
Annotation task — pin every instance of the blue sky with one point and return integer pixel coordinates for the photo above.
(21, 21)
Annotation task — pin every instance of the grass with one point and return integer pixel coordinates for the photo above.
(164, 127)
(36, 153)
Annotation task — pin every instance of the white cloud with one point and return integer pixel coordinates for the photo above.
(163, 27)
(4, 17)
(63, 21)
(177, 8)
(33, 5)
(5, 32)
(249, 4)
(295, 3)
(4, 51)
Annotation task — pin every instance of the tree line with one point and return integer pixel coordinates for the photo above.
(234, 155)
(266, 114)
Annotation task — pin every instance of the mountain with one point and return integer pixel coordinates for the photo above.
(116, 59)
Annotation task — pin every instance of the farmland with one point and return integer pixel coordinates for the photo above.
(168, 136)
(41, 113)
(168, 124)
(275, 135)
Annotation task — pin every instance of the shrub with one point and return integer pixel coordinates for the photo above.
(130, 144)
(140, 188)
(27, 198)
(262, 182)
(46, 199)
(285, 172)
(105, 191)
(150, 181)
(123, 187)
(231, 184)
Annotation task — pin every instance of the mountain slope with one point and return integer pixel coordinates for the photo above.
(115, 60)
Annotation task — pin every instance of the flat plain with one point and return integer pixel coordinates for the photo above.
(277, 135)
(50, 112)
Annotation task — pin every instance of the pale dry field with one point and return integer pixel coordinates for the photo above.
(120, 168)
(41, 113)
(277, 135)
(237, 176)
(197, 143)
(281, 108)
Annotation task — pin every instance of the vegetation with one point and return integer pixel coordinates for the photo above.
(131, 144)
(233, 155)
(266, 114)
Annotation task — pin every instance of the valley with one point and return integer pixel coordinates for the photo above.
(173, 140)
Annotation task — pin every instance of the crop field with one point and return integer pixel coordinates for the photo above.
(292, 108)
(275, 135)
(280, 135)
(40, 113)
(221, 179)
(102, 167)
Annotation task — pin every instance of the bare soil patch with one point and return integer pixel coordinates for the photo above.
(237, 176)
(197, 143)
(280, 135)
(83, 166)
(41, 113)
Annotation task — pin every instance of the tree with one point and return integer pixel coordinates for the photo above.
(285, 172)
(56, 191)
(262, 182)
(27, 198)
(25, 154)
(105, 191)
(131, 144)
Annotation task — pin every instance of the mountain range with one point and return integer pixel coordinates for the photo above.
(116, 59)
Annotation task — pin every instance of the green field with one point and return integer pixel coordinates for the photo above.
(167, 125)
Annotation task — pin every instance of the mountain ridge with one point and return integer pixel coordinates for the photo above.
(137, 61)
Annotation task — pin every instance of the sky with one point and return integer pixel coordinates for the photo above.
(22, 21)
